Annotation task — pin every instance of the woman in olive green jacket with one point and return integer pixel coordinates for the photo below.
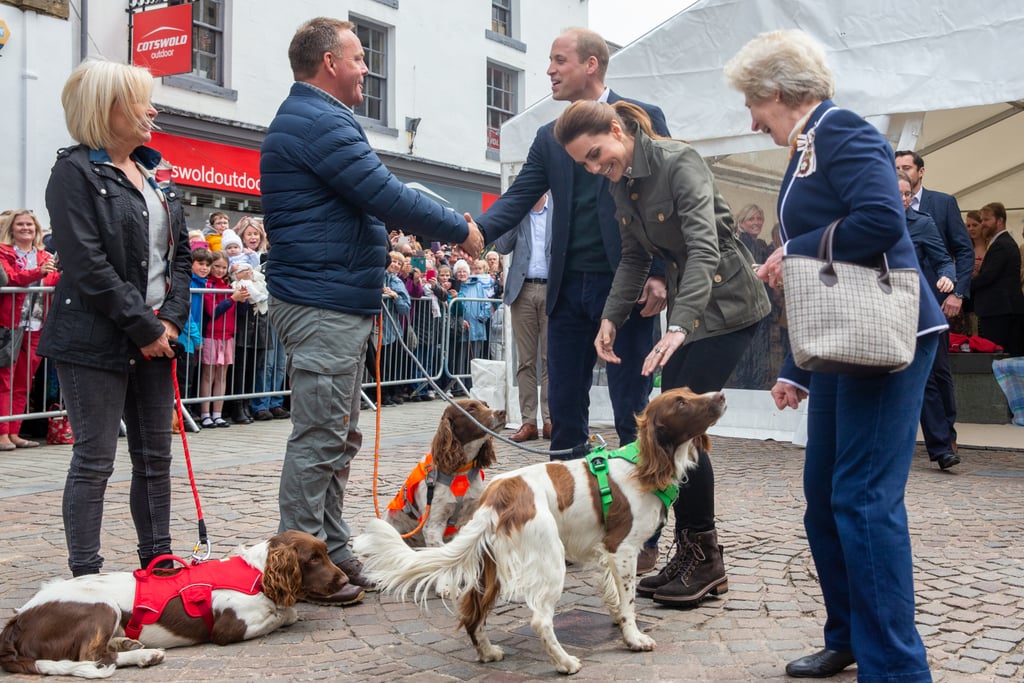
(668, 205)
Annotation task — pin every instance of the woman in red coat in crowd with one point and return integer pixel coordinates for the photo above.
(26, 264)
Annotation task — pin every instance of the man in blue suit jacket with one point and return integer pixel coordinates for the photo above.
(938, 415)
(585, 249)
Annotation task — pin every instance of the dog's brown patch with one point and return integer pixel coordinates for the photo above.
(620, 514)
(175, 620)
(563, 483)
(58, 630)
(513, 500)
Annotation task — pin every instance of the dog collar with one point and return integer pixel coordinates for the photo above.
(597, 461)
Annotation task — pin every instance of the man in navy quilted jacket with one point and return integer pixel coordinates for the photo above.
(326, 198)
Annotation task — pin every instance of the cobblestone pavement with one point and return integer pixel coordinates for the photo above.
(966, 524)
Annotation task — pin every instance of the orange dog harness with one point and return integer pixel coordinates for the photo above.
(194, 584)
(425, 471)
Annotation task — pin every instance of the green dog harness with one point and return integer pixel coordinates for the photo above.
(597, 461)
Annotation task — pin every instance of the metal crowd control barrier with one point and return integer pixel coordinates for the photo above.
(444, 347)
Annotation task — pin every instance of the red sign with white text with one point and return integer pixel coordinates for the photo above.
(198, 163)
(162, 40)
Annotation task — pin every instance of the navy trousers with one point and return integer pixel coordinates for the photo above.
(861, 435)
(572, 328)
(938, 413)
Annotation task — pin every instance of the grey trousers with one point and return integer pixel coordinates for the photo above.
(325, 352)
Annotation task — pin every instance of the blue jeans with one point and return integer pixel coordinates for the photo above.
(326, 351)
(270, 369)
(572, 327)
(860, 442)
(96, 400)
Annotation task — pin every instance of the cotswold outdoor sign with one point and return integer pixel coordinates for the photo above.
(162, 40)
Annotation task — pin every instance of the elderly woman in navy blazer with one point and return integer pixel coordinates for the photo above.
(861, 430)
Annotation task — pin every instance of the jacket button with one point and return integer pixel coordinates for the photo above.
(634, 196)
(661, 217)
(131, 361)
(171, 195)
(143, 263)
(145, 214)
(103, 190)
(67, 301)
(624, 220)
(696, 324)
(717, 278)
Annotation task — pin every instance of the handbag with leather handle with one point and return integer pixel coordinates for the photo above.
(847, 318)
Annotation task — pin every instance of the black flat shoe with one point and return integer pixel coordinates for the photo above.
(821, 664)
(947, 460)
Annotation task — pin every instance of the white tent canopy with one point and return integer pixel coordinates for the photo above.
(944, 77)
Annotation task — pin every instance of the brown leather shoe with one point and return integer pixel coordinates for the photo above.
(527, 432)
(353, 569)
(546, 433)
(349, 594)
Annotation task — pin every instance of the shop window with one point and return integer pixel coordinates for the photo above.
(502, 98)
(208, 40)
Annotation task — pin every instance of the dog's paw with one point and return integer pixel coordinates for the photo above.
(492, 653)
(122, 644)
(569, 665)
(641, 643)
(141, 658)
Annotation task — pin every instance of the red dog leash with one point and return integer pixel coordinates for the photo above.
(204, 540)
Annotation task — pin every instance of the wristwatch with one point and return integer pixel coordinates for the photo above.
(675, 328)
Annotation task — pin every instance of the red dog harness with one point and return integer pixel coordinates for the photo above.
(459, 483)
(194, 584)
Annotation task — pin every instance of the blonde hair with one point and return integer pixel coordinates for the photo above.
(256, 224)
(7, 227)
(748, 211)
(92, 91)
(789, 64)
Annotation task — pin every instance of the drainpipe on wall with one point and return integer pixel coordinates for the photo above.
(83, 31)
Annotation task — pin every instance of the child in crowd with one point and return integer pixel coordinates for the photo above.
(218, 350)
(191, 337)
(219, 222)
(197, 241)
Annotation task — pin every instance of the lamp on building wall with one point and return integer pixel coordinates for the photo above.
(411, 126)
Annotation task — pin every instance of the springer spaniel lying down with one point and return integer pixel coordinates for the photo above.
(531, 520)
(458, 455)
(77, 627)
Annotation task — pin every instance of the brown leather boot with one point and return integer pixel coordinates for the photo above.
(649, 585)
(702, 573)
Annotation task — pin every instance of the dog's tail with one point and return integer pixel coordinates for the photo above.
(453, 568)
(12, 661)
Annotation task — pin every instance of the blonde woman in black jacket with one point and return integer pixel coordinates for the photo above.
(122, 299)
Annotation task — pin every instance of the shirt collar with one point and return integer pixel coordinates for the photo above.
(323, 94)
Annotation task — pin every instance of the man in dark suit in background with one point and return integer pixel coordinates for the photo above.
(585, 250)
(998, 300)
(938, 414)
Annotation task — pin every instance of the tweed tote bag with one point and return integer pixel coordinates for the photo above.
(847, 318)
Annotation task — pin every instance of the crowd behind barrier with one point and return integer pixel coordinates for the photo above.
(435, 338)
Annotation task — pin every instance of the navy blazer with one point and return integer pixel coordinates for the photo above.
(520, 243)
(997, 285)
(549, 167)
(944, 210)
(931, 251)
(854, 178)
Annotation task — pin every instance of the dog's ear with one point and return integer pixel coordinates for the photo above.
(657, 450)
(282, 576)
(447, 450)
(486, 456)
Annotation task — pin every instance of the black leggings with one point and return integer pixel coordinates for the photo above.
(703, 366)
